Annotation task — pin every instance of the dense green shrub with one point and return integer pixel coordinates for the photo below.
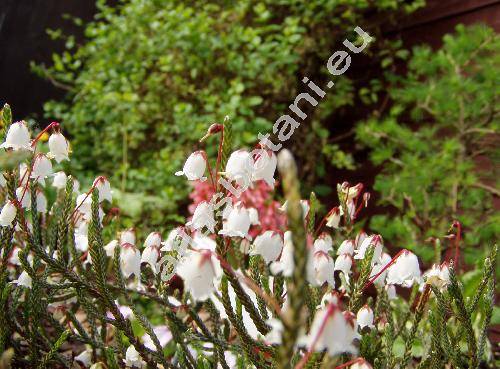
(438, 146)
(152, 74)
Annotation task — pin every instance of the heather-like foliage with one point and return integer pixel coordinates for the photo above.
(438, 145)
(73, 293)
(151, 74)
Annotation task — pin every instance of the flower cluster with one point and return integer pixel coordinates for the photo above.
(245, 283)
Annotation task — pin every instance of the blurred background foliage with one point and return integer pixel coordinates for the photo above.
(438, 146)
(152, 75)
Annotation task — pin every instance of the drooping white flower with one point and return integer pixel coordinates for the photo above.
(110, 248)
(361, 364)
(153, 239)
(23, 280)
(198, 272)
(130, 260)
(239, 167)
(194, 167)
(365, 317)
(438, 276)
(264, 167)
(162, 333)
(320, 269)
(370, 241)
(168, 244)
(127, 236)
(81, 242)
(133, 359)
(85, 357)
(331, 297)
(360, 237)
(334, 217)
(405, 271)
(390, 289)
(332, 330)
(59, 147)
(203, 217)
(351, 209)
(285, 264)
(254, 216)
(385, 259)
(274, 335)
(268, 245)
(18, 137)
(202, 242)
(104, 188)
(24, 197)
(14, 256)
(346, 247)
(150, 256)
(323, 243)
(237, 223)
(8, 214)
(59, 181)
(344, 264)
(41, 202)
(42, 167)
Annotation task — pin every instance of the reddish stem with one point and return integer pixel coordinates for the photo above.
(309, 352)
(219, 156)
(87, 194)
(53, 124)
(374, 278)
(350, 362)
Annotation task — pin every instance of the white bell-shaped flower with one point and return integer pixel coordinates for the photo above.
(24, 197)
(268, 245)
(18, 137)
(334, 217)
(405, 271)
(133, 359)
(438, 276)
(59, 147)
(127, 236)
(42, 167)
(41, 202)
(203, 242)
(323, 243)
(81, 242)
(8, 214)
(23, 280)
(254, 216)
(237, 223)
(85, 357)
(343, 263)
(239, 167)
(365, 317)
(150, 256)
(163, 334)
(153, 239)
(203, 217)
(169, 243)
(130, 260)
(370, 241)
(390, 289)
(285, 264)
(274, 335)
(349, 192)
(198, 272)
(59, 181)
(346, 247)
(194, 167)
(110, 248)
(264, 167)
(104, 187)
(320, 269)
(332, 330)
(385, 259)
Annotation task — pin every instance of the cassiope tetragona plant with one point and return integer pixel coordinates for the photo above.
(222, 290)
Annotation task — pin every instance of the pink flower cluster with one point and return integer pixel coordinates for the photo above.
(259, 197)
